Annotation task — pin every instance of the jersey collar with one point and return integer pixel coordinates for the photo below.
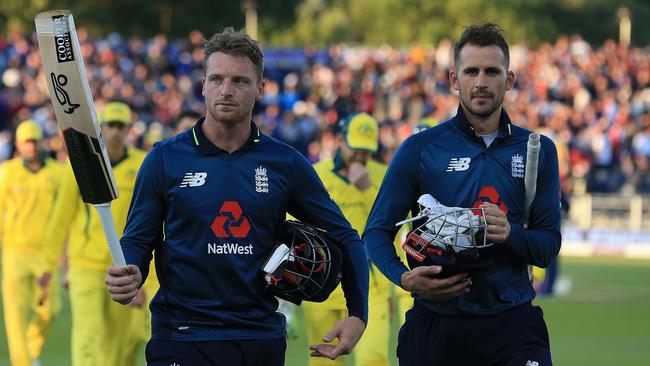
(461, 122)
(206, 147)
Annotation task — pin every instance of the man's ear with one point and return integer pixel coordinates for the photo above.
(510, 80)
(453, 79)
(260, 89)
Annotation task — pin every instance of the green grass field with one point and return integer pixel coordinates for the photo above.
(603, 321)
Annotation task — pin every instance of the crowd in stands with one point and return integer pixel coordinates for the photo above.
(594, 102)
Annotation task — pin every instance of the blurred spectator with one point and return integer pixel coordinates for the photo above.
(186, 120)
(297, 128)
(594, 101)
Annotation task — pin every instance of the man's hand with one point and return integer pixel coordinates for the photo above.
(65, 282)
(421, 281)
(44, 280)
(498, 227)
(348, 331)
(140, 299)
(123, 283)
(358, 175)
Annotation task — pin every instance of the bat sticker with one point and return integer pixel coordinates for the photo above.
(61, 95)
(62, 40)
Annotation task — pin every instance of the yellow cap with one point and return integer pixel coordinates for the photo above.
(116, 112)
(361, 132)
(28, 130)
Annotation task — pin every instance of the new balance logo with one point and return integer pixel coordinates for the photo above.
(194, 179)
(458, 164)
(532, 363)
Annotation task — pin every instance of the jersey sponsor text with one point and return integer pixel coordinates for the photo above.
(230, 248)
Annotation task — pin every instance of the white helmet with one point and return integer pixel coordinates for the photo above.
(451, 237)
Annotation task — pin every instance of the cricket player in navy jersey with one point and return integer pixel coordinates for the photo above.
(481, 316)
(210, 202)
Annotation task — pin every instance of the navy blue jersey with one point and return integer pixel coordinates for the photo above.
(454, 165)
(211, 218)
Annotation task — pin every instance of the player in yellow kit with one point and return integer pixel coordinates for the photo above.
(103, 331)
(28, 184)
(403, 298)
(352, 180)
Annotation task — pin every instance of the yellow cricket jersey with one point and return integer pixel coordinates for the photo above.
(79, 222)
(399, 239)
(26, 201)
(356, 206)
(538, 275)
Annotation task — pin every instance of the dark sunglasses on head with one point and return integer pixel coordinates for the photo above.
(116, 124)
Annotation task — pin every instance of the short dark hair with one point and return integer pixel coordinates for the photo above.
(234, 43)
(483, 35)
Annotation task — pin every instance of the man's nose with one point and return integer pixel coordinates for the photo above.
(481, 80)
(227, 88)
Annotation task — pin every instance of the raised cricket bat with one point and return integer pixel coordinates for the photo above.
(75, 114)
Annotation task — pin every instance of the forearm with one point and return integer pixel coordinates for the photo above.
(381, 251)
(144, 225)
(536, 247)
(540, 243)
(138, 254)
(355, 279)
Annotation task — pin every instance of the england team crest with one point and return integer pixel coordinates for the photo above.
(518, 166)
(261, 180)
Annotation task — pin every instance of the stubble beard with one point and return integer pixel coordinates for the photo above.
(221, 118)
(485, 113)
(114, 142)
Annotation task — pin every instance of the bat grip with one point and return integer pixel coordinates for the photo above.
(106, 218)
(530, 177)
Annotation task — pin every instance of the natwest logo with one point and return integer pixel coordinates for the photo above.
(490, 194)
(230, 248)
(231, 223)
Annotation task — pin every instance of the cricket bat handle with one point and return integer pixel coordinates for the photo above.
(530, 181)
(530, 177)
(106, 218)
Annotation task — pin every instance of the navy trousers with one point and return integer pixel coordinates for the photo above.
(217, 353)
(517, 337)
